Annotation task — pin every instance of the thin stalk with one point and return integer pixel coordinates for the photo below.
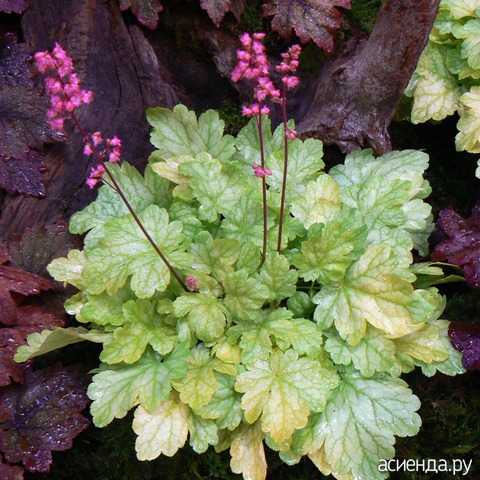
(117, 188)
(264, 186)
(285, 167)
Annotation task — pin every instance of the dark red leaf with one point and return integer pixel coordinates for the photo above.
(17, 319)
(10, 370)
(462, 244)
(13, 6)
(466, 339)
(10, 472)
(23, 176)
(44, 414)
(15, 68)
(39, 245)
(314, 20)
(217, 9)
(22, 121)
(145, 10)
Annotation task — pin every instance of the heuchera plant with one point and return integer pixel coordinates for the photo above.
(245, 297)
(446, 80)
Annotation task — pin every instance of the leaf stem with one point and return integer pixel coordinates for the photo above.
(285, 167)
(264, 184)
(117, 188)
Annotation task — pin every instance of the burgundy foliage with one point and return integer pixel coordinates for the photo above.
(314, 20)
(217, 9)
(461, 244)
(42, 415)
(146, 11)
(10, 472)
(466, 339)
(18, 318)
(23, 126)
(13, 6)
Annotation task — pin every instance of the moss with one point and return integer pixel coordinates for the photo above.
(363, 14)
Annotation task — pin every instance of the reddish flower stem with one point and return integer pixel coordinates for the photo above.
(264, 186)
(285, 167)
(118, 189)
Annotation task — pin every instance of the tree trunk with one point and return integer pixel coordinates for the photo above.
(358, 93)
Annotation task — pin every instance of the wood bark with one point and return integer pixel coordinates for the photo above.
(119, 66)
(358, 93)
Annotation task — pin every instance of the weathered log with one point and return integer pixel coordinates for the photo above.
(358, 93)
(120, 67)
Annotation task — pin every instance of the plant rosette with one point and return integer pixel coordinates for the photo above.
(301, 350)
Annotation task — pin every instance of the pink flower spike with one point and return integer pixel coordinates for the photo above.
(192, 283)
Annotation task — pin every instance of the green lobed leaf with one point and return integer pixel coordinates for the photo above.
(207, 315)
(116, 389)
(214, 256)
(203, 433)
(247, 141)
(374, 353)
(326, 257)
(245, 222)
(46, 341)
(142, 326)
(224, 406)
(125, 252)
(198, 386)
(248, 453)
(178, 132)
(104, 309)
(276, 275)
(283, 391)
(217, 187)
(371, 292)
(436, 92)
(244, 295)
(141, 191)
(161, 431)
(320, 202)
(304, 162)
(276, 328)
(358, 426)
(468, 137)
(470, 49)
(69, 270)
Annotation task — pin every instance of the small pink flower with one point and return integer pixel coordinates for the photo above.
(96, 138)
(95, 175)
(114, 142)
(44, 61)
(192, 283)
(291, 134)
(290, 81)
(87, 149)
(260, 172)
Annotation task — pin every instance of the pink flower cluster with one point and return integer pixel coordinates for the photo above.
(253, 65)
(289, 66)
(112, 150)
(260, 171)
(63, 85)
